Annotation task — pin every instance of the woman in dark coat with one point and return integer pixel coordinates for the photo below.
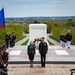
(31, 53)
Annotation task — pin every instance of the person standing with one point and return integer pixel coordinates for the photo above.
(31, 53)
(61, 39)
(69, 38)
(63, 44)
(4, 60)
(7, 37)
(13, 39)
(65, 41)
(43, 48)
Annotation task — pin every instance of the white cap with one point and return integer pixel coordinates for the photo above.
(69, 31)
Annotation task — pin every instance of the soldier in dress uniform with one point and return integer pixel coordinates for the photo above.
(14, 38)
(11, 40)
(65, 41)
(3, 60)
(5, 56)
(69, 38)
(43, 48)
(7, 40)
(0, 60)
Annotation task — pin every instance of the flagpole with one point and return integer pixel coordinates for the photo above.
(4, 28)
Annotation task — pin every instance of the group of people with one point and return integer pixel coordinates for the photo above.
(43, 49)
(65, 40)
(4, 56)
(10, 39)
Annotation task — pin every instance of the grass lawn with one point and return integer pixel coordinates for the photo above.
(20, 38)
(25, 43)
(54, 39)
(50, 43)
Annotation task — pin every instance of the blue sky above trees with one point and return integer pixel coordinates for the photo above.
(27, 8)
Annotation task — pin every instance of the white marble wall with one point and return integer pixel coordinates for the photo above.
(37, 31)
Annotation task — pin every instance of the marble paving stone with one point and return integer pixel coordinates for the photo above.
(16, 52)
(15, 59)
(56, 71)
(11, 73)
(61, 52)
(51, 59)
(50, 69)
(12, 70)
(65, 71)
(38, 71)
(20, 71)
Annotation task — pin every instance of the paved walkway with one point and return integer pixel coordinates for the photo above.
(24, 69)
(55, 53)
(53, 41)
(26, 38)
(22, 41)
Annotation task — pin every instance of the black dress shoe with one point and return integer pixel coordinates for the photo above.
(31, 66)
(43, 66)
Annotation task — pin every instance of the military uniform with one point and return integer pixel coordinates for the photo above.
(12, 40)
(63, 45)
(65, 41)
(3, 60)
(43, 48)
(69, 38)
(7, 40)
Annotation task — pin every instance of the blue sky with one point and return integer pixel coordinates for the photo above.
(29, 8)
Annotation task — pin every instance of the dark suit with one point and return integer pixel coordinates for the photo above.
(31, 51)
(43, 47)
(7, 40)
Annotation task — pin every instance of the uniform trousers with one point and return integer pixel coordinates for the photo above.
(63, 44)
(60, 42)
(68, 43)
(43, 60)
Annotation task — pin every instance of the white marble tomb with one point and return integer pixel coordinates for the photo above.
(37, 31)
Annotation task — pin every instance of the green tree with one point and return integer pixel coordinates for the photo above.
(35, 21)
(70, 22)
(49, 26)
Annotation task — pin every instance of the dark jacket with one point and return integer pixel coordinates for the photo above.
(31, 49)
(43, 48)
(7, 37)
(69, 36)
(65, 39)
(61, 36)
(5, 59)
(5, 56)
(12, 37)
